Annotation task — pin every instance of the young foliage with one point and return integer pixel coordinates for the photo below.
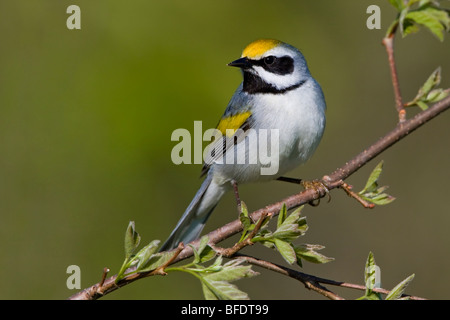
(132, 240)
(398, 291)
(289, 228)
(415, 13)
(216, 279)
(216, 285)
(428, 93)
(247, 223)
(146, 259)
(372, 278)
(372, 192)
(309, 253)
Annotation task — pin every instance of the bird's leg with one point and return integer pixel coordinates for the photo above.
(319, 187)
(236, 195)
(290, 180)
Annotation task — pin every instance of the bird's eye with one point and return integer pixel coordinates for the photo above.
(269, 60)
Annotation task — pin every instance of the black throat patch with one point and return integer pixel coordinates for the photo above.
(254, 84)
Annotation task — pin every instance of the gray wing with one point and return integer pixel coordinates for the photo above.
(240, 103)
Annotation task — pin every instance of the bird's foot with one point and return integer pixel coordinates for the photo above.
(319, 188)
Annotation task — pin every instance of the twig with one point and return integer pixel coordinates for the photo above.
(236, 195)
(388, 42)
(313, 282)
(109, 285)
(105, 273)
(229, 252)
(310, 282)
(160, 269)
(348, 189)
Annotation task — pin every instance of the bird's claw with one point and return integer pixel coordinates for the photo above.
(319, 188)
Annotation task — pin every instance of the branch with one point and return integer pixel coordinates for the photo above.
(388, 42)
(229, 252)
(312, 282)
(331, 181)
(106, 286)
(335, 179)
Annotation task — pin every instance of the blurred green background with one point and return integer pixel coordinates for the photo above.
(86, 118)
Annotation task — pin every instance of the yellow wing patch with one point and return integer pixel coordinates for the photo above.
(257, 48)
(233, 123)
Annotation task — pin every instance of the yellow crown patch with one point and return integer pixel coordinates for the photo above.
(257, 48)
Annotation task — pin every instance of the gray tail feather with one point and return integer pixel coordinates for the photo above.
(194, 218)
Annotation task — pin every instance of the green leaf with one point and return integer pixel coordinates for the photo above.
(246, 222)
(380, 199)
(433, 80)
(248, 225)
(202, 245)
(292, 227)
(411, 3)
(428, 92)
(434, 19)
(145, 253)
(231, 271)
(132, 239)
(221, 290)
(424, 2)
(372, 192)
(243, 216)
(155, 261)
(204, 252)
(216, 282)
(265, 237)
(287, 232)
(398, 4)
(289, 228)
(437, 95)
(309, 253)
(215, 267)
(286, 251)
(372, 182)
(422, 105)
(403, 22)
(409, 27)
(399, 289)
(372, 278)
(282, 215)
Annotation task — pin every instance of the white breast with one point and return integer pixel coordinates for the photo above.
(299, 118)
(299, 115)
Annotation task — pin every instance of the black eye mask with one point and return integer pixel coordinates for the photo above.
(282, 65)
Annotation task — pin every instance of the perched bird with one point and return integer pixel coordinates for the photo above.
(278, 96)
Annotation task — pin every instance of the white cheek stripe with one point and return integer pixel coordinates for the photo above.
(277, 80)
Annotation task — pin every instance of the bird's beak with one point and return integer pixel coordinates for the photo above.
(242, 63)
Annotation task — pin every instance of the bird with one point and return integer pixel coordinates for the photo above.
(278, 96)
